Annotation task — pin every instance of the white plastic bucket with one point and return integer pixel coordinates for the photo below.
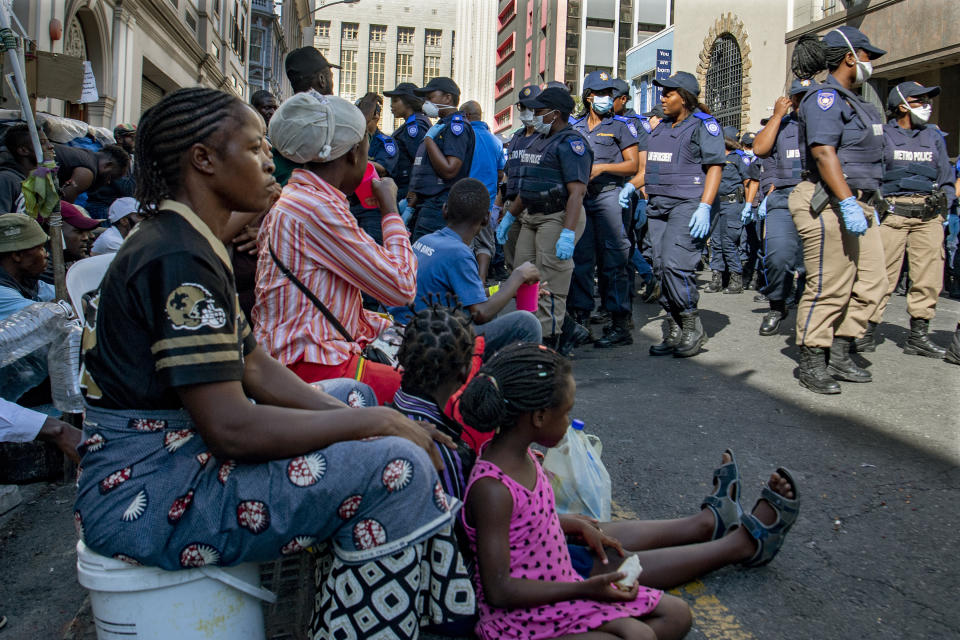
(146, 603)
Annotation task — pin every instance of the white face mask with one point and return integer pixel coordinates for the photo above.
(602, 104)
(864, 69)
(540, 126)
(918, 115)
(525, 115)
(430, 109)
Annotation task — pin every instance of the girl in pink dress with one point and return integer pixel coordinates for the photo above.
(526, 585)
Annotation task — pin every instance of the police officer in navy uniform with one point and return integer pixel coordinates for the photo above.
(554, 170)
(835, 207)
(727, 216)
(684, 167)
(751, 232)
(614, 142)
(507, 229)
(404, 103)
(777, 146)
(919, 184)
(444, 155)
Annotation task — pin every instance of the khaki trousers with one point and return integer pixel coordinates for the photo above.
(922, 240)
(846, 274)
(537, 243)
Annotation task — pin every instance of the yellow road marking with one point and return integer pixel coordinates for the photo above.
(710, 616)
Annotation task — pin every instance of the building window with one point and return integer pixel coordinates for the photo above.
(256, 46)
(507, 48)
(650, 27)
(404, 67)
(508, 13)
(504, 84)
(321, 29)
(433, 37)
(405, 35)
(349, 31)
(376, 71)
(348, 74)
(431, 67)
(503, 119)
(324, 51)
(238, 30)
(600, 23)
(191, 21)
(725, 81)
(378, 33)
(530, 20)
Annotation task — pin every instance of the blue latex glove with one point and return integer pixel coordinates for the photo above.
(405, 211)
(504, 227)
(952, 224)
(435, 130)
(640, 214)
(565, 244)
(762, 209)
(853, 218)
(700, 221)
(746, 213)
(625, 194)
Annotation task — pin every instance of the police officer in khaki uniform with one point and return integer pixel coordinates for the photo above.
(834, 208)
(918, 182)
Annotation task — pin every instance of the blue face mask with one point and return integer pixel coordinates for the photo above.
(602, 104)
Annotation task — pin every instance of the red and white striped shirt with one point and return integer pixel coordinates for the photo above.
(314, 234)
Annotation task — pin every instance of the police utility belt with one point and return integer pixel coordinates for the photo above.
(822, 197)
(596, 187)
(933, 205)
(736, 196)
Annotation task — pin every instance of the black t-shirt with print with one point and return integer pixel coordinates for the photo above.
(167, 316)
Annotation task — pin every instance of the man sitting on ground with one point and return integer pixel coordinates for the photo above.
(23, 257)
(123, 217)
(447, 268)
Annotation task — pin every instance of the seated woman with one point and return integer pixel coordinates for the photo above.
(312, 232)
(180, 468)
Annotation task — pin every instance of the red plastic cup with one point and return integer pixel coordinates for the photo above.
(528, 297)
(364, 192)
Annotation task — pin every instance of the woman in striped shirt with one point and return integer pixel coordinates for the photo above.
(313, 233)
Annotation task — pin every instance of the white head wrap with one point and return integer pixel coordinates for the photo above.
(310, 127)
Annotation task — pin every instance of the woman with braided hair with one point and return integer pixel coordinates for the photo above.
(835, 207)
(180, 468)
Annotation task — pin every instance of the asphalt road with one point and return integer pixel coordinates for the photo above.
(871, 556)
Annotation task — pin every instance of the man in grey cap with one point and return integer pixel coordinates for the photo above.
(23, 257)
(444, 157)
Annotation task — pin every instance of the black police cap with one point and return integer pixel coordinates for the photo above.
(403, 89)
(847, 36)
(910, 89)
(441, 83)
(620, 88)
(550, 98)
(680, 80)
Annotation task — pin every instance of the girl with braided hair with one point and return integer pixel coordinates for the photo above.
(180, 468)
(528, 585)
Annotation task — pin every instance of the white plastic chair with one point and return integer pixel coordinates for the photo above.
(85, 276)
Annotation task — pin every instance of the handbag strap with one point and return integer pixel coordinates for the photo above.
(332, 319)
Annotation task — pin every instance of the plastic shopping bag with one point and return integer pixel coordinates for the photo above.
(581, 484)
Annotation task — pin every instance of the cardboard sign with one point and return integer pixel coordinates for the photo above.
(89, 91)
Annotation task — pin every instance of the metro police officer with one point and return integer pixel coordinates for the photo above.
(778, 147)
(727, 216)
(552, 181)
(444, 155)
(684, 166)
(613, 140)
(404, 103)
(918, 182)
(835, 207)
(507, 230)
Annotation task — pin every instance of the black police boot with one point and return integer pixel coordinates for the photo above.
(582, 318)
(868, 342)
(602, 316)
(572, 335)
(716, 283)
(619, 333)
(750, 281)
(842, 366)
(953, 352)
(903, 284)
(813, 371)
(773, 318)
(692, 337)
(671, 336)
(918, 343)
(735, 285)
(953, 288)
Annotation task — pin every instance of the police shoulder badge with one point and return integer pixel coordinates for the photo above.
(712, 127)
(191, 306)
(390, 148)
(646, 125)
(632, 129)
(412, 130)
(578, 147)
(826, 98)
(456, 128)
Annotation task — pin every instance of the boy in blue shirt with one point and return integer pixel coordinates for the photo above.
(446, 267)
